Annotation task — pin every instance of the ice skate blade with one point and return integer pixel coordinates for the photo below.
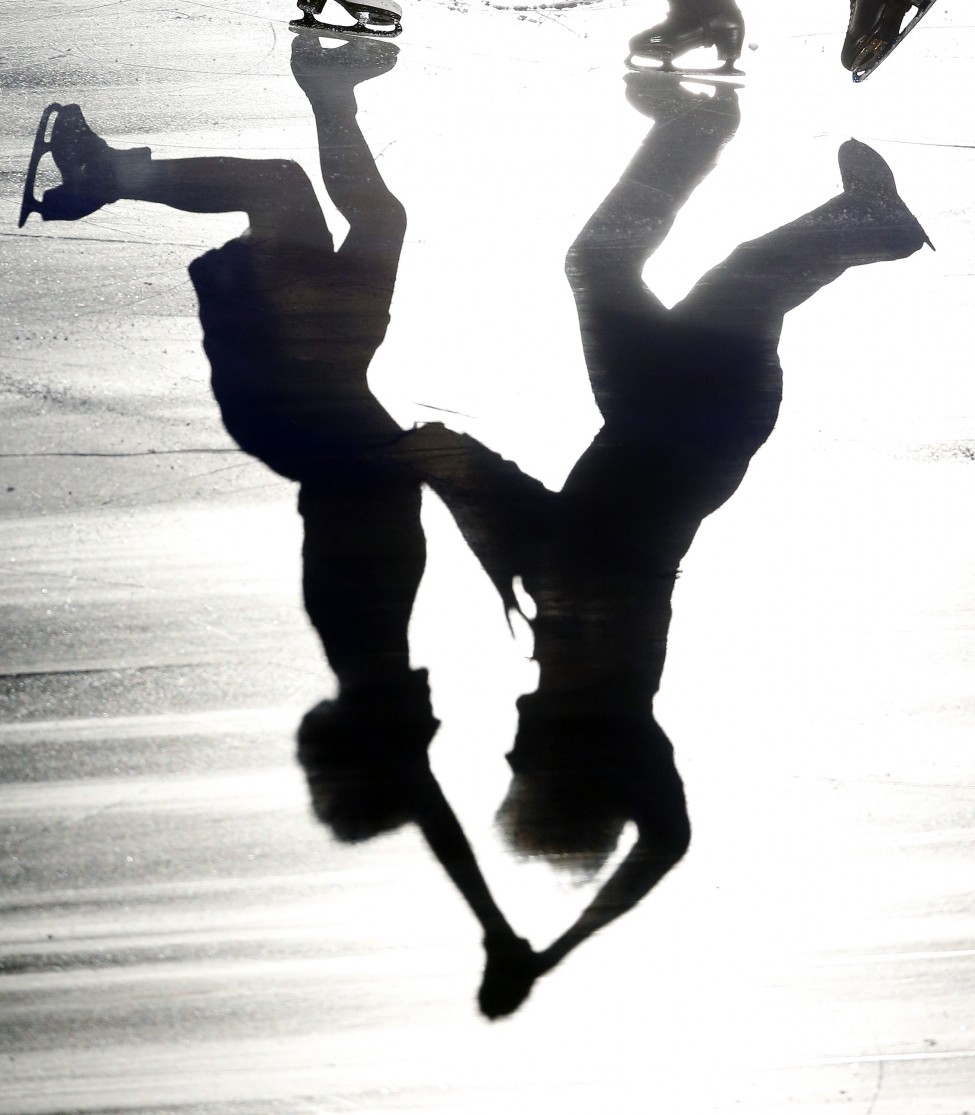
(30, 204)
(724, 72)
(719, 76)
(386, 30)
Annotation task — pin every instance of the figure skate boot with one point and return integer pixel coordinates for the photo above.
(692, 24)
(875, 30)
(379, 18)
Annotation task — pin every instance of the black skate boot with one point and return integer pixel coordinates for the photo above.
(88, 167)
(875, 29)
(690, 26)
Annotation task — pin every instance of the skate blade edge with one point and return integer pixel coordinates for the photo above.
(29, 204)
(722, 74)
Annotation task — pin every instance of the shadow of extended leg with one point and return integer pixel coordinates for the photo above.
(753, 289)
(619, 318)
(728, 327)
(607, 258)
(275, 194)
(328, 77)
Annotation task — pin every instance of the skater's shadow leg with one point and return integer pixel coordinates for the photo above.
(290, 327)
(328, 77)
(732, 318)
(619, 318)
(750, 292)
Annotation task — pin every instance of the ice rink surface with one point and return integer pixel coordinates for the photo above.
(178, 934)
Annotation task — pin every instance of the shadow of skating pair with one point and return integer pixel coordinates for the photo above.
(687, 395)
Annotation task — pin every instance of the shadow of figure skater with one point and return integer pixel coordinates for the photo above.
(290, 326)
(688, 395)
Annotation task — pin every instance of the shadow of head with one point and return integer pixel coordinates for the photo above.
(562, 817)
(359, 804)
(579, 780)
(364, 755)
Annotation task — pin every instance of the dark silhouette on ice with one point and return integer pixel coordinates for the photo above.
(688, 395)
(290, 327)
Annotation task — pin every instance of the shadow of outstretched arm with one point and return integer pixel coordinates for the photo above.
(358, 797)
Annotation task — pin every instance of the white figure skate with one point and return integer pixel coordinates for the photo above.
(379, 18)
